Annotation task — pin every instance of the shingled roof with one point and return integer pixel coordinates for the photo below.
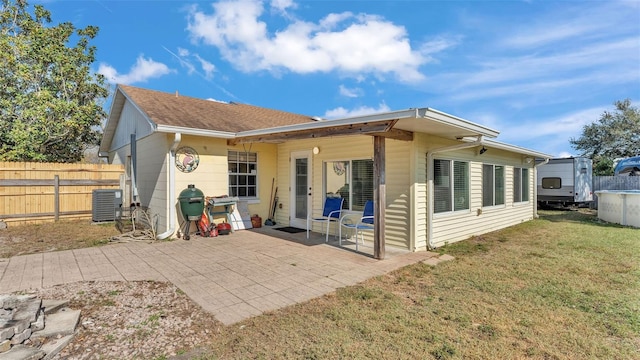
(188, 112)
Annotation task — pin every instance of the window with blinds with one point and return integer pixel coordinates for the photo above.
(352, 180)
(492, 185)
(451, 185)
(243, 173)
(525, 184)
(520, 184)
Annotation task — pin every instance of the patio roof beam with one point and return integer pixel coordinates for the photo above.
(396, 134)
(376, 128)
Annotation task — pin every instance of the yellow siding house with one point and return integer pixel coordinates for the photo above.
(435, 178)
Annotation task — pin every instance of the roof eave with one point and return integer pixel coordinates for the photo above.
(117, 104)
(516, 149)
(449, 119)
(195, 132)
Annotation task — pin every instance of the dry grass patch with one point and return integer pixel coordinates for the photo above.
(61, 235)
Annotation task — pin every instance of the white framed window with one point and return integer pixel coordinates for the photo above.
(243, 174)
(520, 184)
(492, 185)
(350, 179)
(451, 185)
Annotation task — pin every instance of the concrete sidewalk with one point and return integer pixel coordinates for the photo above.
(234, 277)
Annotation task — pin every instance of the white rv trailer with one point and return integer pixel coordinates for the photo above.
(565, 182)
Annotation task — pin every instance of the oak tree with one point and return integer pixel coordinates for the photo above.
(615, 135)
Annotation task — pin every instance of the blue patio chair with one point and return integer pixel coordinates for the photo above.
(330, 213)
(364, 223)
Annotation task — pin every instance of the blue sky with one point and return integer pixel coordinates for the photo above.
(537, 71)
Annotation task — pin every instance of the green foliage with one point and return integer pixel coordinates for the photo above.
(50, 101)
(603, 166)
(615, 135)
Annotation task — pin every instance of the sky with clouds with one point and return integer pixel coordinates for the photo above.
(537, 71)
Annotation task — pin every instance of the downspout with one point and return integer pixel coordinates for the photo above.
(535, 186)
(430, 175)
(134, 168)
(172, 189)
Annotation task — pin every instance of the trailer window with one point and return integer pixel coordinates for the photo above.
(551, 183)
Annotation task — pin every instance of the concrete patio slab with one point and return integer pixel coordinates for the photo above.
(234, 277)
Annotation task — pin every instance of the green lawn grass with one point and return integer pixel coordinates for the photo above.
(564, 286)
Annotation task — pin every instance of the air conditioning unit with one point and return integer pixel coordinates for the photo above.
(107, 204)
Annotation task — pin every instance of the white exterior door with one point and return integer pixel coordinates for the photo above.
(300, 192)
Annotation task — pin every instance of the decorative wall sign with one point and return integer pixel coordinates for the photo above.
(187, 159)
(338, 167)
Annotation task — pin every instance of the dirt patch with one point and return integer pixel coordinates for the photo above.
(55, 236)
(133, 320)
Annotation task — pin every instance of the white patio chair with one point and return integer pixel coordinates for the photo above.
(363, 223)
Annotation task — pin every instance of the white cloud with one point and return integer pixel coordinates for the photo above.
(439, 44)
(564, 154)
(347, 43)
(283, 5)
(557, 57)
(341, 112)
(575, 24)
(141, 71)
(184, 58)
(567, 125)
(550, 135)
(350, 92)
(207, 67)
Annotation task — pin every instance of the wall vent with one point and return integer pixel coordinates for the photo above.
(107, 204)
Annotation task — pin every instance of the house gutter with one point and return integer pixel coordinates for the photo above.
(479, 141)
(172, 189)
(195, 132)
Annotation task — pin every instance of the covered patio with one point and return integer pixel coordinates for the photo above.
(398, 125)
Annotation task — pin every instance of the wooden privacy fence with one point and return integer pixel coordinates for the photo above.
(41, 192)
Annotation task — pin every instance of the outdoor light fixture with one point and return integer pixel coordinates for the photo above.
(316, 150)
(483, 150)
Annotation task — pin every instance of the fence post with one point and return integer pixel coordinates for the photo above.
(56, 197)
